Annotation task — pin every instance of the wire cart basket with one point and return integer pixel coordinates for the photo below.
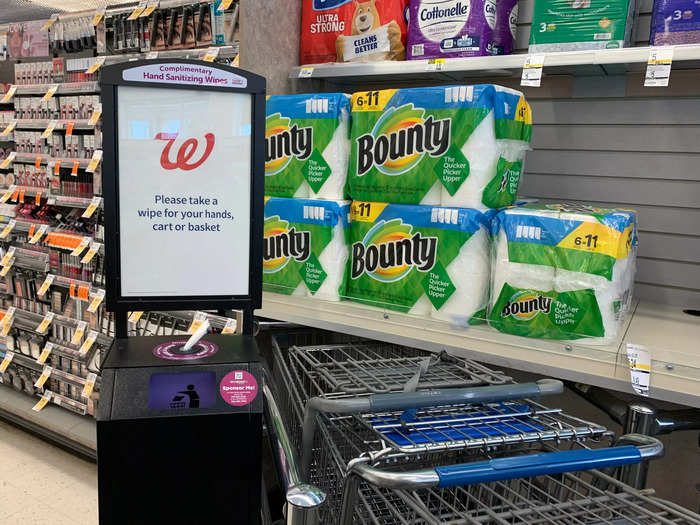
(392, 435)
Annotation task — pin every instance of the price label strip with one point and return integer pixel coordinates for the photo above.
(6, 268)
(211, 54)
(659, 67)
(96, 301)
(8, 129)
(94, 161)
(89, 385)
(45, 353)
(7, 321)
(135, 316)
(94, 249)
(83, 244)
(224, 5)
(9, 356)
(137, 12)
(7, 229)
(8, 193)
(95, 114)
(640, 368)
(7, 160)
(45, 322)
(435, 64)
(51, 21)
(50, 93)
(230, 326)
(49, 129)
(95, 203)
(199, 318)
(45, 374)
(97, 64)
(532, 71)
(78, 334)
(39, 234)
(45, 285)
(9, 94)
(43, 401)
(98, 16)
(8, 256)
(306, 72)
(150, 7)
(89, 341)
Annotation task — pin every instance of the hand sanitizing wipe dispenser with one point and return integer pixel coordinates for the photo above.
(179, 425)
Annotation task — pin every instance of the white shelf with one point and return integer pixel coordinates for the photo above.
(67, 88)
(66, 162)
(38, 123)
(670, 335)
(581, 63)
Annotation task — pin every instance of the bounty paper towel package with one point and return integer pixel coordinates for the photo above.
(450, 28)
(307, 145)
(459, 146)
(675, 22)
(574, 25)
(428, 261)
(506, 26)
(304, 247)
(562, 272)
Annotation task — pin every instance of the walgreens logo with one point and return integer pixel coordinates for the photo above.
(185, 153)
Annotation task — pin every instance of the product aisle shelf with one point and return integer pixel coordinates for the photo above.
(66, 162)
(24, 227)
(670, 336)
(579, 63)
(58, 200)
(68, 88)
(35, 123)
(28, 362)
(53, 422)
(193, 53)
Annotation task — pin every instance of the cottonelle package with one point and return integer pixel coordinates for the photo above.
(675, 22)
(459, 146)
(506, 26)
(307, 145)
(305, 248)
(573, 25)
(562, 272)
(427, 261)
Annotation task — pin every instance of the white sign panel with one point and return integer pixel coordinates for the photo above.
(184, 192)
(194, 75)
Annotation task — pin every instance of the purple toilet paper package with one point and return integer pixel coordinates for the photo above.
(450, 28)
(675, 22)
(506, 24)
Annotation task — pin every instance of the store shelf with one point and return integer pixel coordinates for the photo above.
(52, 198)
(225, 52)
(52, 423)
(78, 124)
(670, 335)
(66, 162)
(68, 88)
(579, 63)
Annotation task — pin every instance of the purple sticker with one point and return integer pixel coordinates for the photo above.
(238, 388)
(173, 350)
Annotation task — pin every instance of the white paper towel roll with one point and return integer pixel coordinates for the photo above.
(334, 260)
(336, 155)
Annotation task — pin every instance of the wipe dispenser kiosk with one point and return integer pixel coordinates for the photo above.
(179, 425)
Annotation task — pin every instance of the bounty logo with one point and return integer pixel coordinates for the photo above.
(282, 143)
(389, 251)
(282, 244)
(525, 305)
(399, 140)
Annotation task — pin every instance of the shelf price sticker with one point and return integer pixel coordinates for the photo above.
(97, 17)
(57, 167)
(45, 374)
(7, 229)
(532, 71)
(9, 356)
(39, 234)
(8, 256)
(96, 112)
(7, 160)
(89, 341)
(89, 385)
(45, 322)
(45, 285)
(230, 326)
(150, 7)
(96, 301)
(306, 72)
(151, 55)
(94, 248)
(435, 64)
(199, 318)
(43, 401)
(97, 64)
(94, 204)
(6, 268)
(137, 12)
(37, 197)
(74, 169)
(45, 353)
(8, 129)
(224, 5)
(659, 67)
(21, 194)
(51, 21)
(83, 244)
(49, 129)
(37, 162)
(7, 321)
(135, 316)
(69, 128)
(211, 54)
(640, 368)
(9, 94)
(94, 161)
(79, 332)
(8, 193)
(50, 93)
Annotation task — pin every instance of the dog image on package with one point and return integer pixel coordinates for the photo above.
(353, 30)
(562, 272)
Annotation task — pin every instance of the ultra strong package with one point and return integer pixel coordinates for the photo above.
(423, 260)
(304, 247)
(562, 272)
(460, 146)
(353, 30)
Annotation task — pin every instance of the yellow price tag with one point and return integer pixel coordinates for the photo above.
(8, 129)
(83, 244)
(79, 332)
(50, 22)
(94, 248)
(6, 268)
(8, 193)
(45, 322)
(7, 229)
(89, 385)
(97, 64)
(94, 204)
(211, 54)
(135, 316)
(136, 12)
(97, 17)
(96, 112)
(45, 285)
(7, 321)
(87, 344)
(230, 327)
(6, 361)
(94, 161)
(9, 94)
(50, 93)
(96, 301)
(150, 7)
(39, 234)
(199, 318)
(49, 129)
(45, 353)
(45, 374)
(43, 401)
(8, 256)
(224, 5)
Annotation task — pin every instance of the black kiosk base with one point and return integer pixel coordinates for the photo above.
(179, 433)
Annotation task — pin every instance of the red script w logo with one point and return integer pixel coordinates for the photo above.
(184, 154)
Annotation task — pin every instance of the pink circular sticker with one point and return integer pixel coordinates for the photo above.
(238, 388)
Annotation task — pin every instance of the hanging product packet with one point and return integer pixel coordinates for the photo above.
(460, 146)
(307, 145)
(422, 260)
(305, 248)
(562, 271)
